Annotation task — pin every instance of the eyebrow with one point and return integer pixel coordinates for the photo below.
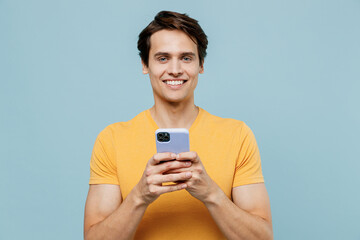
(161, 54)
(188, 54)
(167, 54)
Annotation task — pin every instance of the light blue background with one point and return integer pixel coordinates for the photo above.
(289, 69)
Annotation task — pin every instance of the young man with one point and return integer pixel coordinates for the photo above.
(217, 189)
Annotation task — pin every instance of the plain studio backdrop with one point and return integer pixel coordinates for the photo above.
(289, 69)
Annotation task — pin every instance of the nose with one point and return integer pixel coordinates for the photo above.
(175, 68)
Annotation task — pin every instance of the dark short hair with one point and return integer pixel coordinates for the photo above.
(172, 21)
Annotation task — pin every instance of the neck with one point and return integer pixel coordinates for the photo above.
(174, 115)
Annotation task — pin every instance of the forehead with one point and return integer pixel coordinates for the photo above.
(171, 41)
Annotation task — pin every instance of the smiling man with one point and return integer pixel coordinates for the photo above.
(218, 190)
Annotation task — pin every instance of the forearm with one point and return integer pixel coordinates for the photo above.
(122, 223)
(236, 223)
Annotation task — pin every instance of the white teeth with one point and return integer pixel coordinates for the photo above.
(171, 82)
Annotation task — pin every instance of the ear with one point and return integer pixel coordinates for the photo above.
(201, 68)
(145, 69)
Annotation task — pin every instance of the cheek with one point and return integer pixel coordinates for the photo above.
(194, 72)
(157, 71)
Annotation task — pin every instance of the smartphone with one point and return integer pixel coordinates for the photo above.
(175, 140)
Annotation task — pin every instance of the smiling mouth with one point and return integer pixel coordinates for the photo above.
(174, 82)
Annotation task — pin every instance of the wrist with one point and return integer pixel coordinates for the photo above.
(137, 198)
(215, 197)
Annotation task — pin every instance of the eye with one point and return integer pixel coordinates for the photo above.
(187, 59)
(162, 59)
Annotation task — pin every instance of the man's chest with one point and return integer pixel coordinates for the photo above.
(217, 155)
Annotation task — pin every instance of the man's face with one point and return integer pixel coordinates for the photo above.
(173, 66)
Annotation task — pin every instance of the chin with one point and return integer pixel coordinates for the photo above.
(176, 100)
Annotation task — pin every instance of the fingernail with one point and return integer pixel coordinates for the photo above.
(183, 186)
(173, 155)
(177, 156)
(188, 174)
(187, 163)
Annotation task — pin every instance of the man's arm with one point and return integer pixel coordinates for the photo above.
(108, 217)
(248, 217)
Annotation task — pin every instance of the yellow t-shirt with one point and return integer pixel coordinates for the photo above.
(226, 147)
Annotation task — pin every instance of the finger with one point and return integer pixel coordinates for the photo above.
(178, 170)
(167, 166)
(175, 187)
(158, 157)
(169, 188)
(173, 165)
(192, 156)
(159, 179)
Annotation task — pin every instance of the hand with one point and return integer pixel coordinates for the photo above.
(150, 186)
(200, 185)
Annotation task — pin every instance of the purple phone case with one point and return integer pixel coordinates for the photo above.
(179, 140)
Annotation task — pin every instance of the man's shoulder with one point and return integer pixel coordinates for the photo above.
(224, 129)
(124, 127)
(223, 122)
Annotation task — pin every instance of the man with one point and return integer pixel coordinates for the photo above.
(216, 191)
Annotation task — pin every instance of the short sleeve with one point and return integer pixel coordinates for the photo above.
(248, 165)
(102, 163)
